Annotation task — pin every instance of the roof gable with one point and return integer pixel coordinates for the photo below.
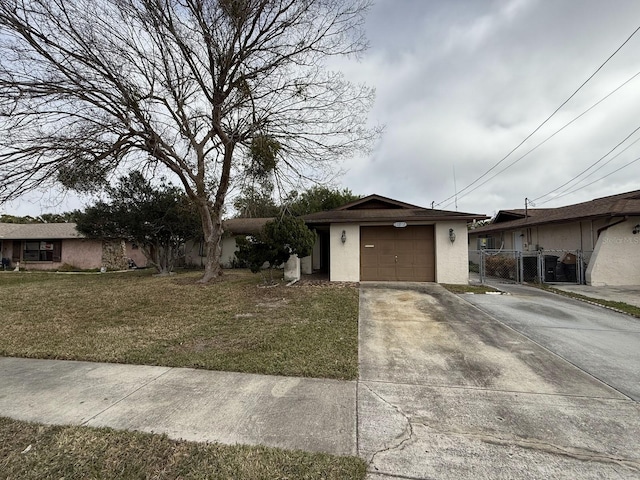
(377, 202)
(509, 215)
(376, 208)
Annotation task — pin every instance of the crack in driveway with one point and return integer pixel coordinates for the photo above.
(541, 446)
(408, 432)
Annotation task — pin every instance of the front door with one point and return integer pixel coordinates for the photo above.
(517, 241)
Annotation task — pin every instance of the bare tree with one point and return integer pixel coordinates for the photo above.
(87, 86)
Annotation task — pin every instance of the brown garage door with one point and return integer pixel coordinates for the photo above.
(397, 254)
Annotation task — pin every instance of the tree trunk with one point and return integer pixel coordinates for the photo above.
(157, 257)
(212, 232)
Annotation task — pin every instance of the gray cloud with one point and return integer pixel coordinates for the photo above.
(459, 84)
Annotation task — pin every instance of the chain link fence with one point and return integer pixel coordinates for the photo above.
(545, 266)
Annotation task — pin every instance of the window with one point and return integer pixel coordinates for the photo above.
(42, 251)
(485, 242)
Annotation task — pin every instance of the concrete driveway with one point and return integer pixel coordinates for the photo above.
(604, 343)
(447, 392)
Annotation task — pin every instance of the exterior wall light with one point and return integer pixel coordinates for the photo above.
(344, 236)
(636, 229)
(452, 235)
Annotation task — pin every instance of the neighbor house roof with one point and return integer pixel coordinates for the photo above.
(38, 231)
(376, 208)
(244, 226)
(623, 204)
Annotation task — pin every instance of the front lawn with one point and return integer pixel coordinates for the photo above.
(139, 318)
(34, 452)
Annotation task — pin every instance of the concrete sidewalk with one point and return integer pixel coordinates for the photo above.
(199, 405)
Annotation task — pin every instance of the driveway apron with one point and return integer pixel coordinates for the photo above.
(446, 391)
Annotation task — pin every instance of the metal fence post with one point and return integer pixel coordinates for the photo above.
(579, 268)
(540, 266)
(520, 267)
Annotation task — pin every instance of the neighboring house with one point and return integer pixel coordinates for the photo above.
(378, 239)
(234, 227)
(49, 246)
(608, 226)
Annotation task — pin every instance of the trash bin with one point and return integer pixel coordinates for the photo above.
(568, 263)
(530, 268)
(550, 262)
(561, 273)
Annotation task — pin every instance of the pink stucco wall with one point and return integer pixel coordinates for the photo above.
(136, 255)
(80, 253)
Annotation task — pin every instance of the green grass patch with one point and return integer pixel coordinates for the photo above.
(31, 451)
(623, 307)
(479, 289)
(136, 317)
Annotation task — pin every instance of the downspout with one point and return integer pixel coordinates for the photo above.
(581, 238)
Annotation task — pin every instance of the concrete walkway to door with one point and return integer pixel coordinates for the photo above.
(447, 392)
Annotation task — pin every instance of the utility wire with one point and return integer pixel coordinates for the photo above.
(611, 159)
(591, 183)
(543, 123)
(590, 167)
(545, 141)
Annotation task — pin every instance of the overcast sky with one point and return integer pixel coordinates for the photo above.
(461, 83)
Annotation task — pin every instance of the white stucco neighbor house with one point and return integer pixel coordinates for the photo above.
(608, 226)
(376, 239)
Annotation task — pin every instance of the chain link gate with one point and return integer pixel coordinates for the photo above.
(545, 266)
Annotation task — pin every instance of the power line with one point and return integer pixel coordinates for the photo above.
(591, 166)
(591, 183)
(612, 158)
(543, 142)
(543, 123)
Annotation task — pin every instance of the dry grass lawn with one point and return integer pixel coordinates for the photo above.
(139, 318)
(36, 452)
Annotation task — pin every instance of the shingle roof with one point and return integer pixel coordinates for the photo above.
(622, 204)
(244, 226)
(7, 229)
(385, 210)
(38, 231)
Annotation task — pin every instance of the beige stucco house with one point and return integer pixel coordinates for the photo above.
(374, 239)
(50, 246)
(608, 226)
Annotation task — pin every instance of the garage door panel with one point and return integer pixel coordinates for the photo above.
(386, 260)
(400, 254)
